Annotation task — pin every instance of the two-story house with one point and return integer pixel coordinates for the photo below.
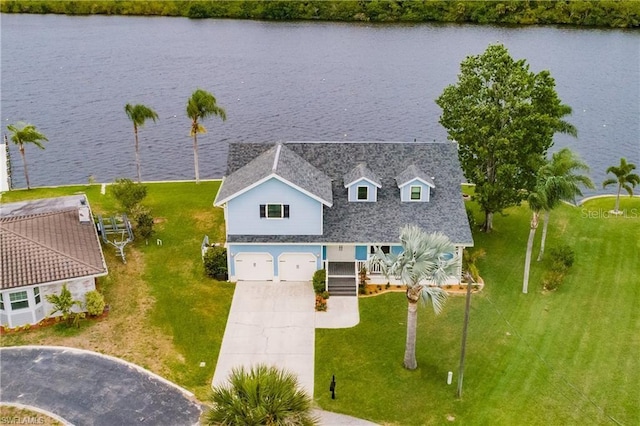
(292, 208)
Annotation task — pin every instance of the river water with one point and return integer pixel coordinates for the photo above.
(72, 76)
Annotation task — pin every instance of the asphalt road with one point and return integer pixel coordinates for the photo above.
(86, 388)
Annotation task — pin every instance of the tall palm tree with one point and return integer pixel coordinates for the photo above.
(261, 396)
(560, 179)
(537, 201)
(22, 134)
(624, 178)
(138, 114)
(425, 264)
(201, 105)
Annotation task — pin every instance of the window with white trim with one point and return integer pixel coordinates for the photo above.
(1, 302)
(363, 193)
(18, 300)
(416, 193)
(274, 211)
(385, 249)
(36, 294)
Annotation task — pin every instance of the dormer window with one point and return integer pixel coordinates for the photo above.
(416, 193)
(363, 193)
(414, 185)
(362, 184)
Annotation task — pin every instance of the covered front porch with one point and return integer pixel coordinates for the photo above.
(345, 264)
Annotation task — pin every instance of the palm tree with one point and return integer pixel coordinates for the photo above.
(24, 133)
(201, 105)
(138, 114)
(560, 180)
(624, 178)
(537, 201)
(425, 257)
(261, 396)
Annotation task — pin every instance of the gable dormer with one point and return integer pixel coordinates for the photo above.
(362, 184)
(415, 185)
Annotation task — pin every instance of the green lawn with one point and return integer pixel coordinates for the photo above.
(564, 357)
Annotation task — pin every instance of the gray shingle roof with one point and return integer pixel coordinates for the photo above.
(413, 172)
(280, 161)
(361, 171)
(42, 241)
(351, 222)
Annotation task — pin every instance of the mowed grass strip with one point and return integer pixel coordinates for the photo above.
(166, 314)
(562, 357)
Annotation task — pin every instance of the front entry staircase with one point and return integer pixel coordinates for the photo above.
(342, 279)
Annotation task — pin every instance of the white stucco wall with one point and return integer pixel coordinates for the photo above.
(37, 312)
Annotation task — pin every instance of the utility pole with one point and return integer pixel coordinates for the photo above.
(470, 281)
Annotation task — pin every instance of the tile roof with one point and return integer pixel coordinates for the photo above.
(39, 246)
(361, 171)
(277, 160)
(350, 222)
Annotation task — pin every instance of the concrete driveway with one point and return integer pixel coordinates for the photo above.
(87, 388)
(271, 323)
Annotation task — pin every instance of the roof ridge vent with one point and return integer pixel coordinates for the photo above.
(277, 157)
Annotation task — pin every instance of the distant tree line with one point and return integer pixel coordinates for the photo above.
(600, 13)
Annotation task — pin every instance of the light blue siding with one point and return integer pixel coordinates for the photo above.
(353, 191)
(274, 250)
(243, 212)
(361, 252)
(405, 191)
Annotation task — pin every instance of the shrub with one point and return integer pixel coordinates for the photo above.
(143, 222)
(94, 302)
(261, 395)
(215, 261)
(470, 217)
(318, 280)
(562, 257)
(553, 279)
(128, 194)
(469, 259)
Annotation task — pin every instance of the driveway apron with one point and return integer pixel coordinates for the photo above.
(270, 323)
(87, 388)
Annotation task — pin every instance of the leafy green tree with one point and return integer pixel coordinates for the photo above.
(503, 117)
(560, 179)
(201, 105)
(262, 395)
(138, 114)
(425, 264)
(64, 303)
(624, 178)
(128, 194)
(22, 134)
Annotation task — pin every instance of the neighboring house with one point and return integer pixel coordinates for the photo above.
(292, 208)
(44, 244)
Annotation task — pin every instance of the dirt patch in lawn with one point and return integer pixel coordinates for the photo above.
(116, 334)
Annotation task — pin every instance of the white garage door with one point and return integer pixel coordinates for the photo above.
(296, 266)
(253, 266)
